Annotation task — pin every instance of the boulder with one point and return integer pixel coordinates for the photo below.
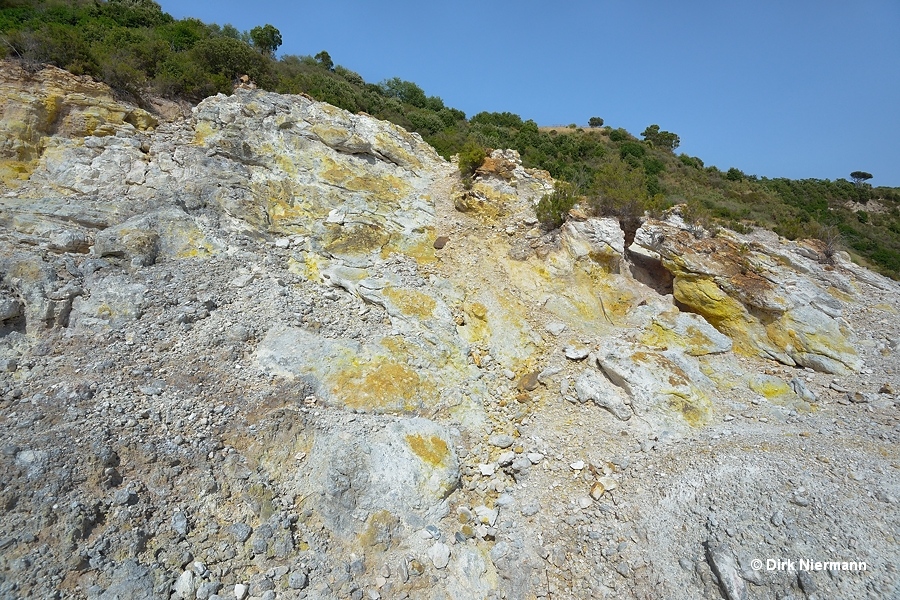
(405, 470)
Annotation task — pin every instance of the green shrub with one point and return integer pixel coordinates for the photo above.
(690, 161)
(230, 58)
(134, 13)
(552, 209)
(470, 158)
(183, 35)
(734, 174)
(619, 135)
(499, 119)
(653, 166)
(426, 122)
(635, 149)
(405, 91)
(350, 76)
(616, 187)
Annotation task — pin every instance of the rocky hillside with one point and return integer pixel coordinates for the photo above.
(277, 350)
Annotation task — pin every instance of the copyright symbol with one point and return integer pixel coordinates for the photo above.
(756, 564)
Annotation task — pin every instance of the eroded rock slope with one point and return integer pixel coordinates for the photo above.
(276, 350)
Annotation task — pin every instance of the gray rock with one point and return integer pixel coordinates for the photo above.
(283, 544)
(858, 397)
(624, 569)
(114, 302)
(358, 567)
(68, 240)
(124, 497)
(154, 388)
(807, 582)
(504, 500)
(501, 440)
(486, 515)
(802, 391)
(131, 580)
(530, 508)
(521, 464)
(506, 458)
(298, 580)
(240, 531)
(726, 569)
(10, 308)
(260, 583)
(180, 523)
(407, 468)
(499, 550)
(207, 589)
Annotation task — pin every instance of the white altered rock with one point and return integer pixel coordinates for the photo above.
(186, 585)
(772, 308)
(439, 555)
(242, 281)
(665, 381)
(556, 328)
(506, 458)
(576, 352)
(485, 515)
(600, 239)
(240, 591)
(593, 386)
(608, 483)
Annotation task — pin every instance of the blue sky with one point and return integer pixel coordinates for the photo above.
(789, 88)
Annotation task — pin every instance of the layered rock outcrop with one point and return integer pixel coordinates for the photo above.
(45, 109)
(747, 292)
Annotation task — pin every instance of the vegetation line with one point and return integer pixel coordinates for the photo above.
(141, 51)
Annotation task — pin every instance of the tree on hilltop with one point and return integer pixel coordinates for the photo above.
(863, 189)
(266, 39)
(595, 122)
(661, 139)
(324, 60)
(859, 177)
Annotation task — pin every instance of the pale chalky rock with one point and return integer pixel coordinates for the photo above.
(593, 386)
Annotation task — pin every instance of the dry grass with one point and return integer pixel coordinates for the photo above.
(562, 129)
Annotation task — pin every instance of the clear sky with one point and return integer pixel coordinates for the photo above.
(776, 88)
